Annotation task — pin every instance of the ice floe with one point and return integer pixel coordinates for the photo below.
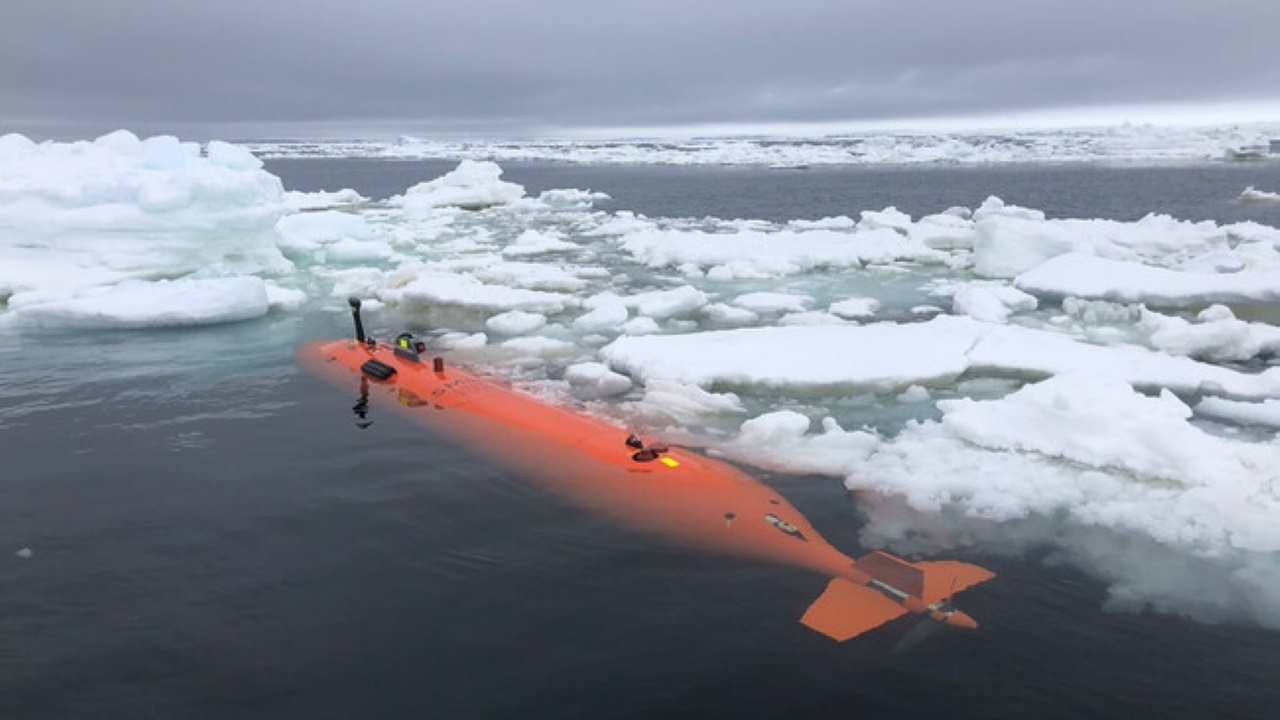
(1262, 196)
(886, 357)
(141, 304)
(87, 215)
(1083, 275)
(474, 185)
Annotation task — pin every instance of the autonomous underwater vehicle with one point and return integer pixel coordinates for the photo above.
(667, 491)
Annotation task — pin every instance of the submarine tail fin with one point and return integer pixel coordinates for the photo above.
(944, 578)
(847, 610)
(927, 581)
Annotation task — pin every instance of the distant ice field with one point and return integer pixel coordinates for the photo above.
(1125, 143)
(984, 362)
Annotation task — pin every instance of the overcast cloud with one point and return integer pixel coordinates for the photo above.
(239, 68)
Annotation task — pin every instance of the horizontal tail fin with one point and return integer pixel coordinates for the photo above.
(846, 610)
(943, 578)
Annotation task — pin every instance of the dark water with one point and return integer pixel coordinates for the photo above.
(213, 537)
(1207, 191)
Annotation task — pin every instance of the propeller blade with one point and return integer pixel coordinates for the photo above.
(920, 632)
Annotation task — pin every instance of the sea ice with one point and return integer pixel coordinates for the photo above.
(595, 380)
(1083, 451)
(140, 304)
(889, 357)
(1252, 195)
(75, 216)
(1082, 275)
(473, 185)
(322, 200)
(802, 148)
(516, 322)
(991, 302)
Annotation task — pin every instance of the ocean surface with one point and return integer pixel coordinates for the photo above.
(206, 533)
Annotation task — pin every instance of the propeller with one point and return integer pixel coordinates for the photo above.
(927, 627)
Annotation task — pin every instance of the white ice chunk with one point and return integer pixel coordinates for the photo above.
(772, 302)
(781, 441)
(841, 222)
(423, 286)
(322, 200)
(1217, 337)
(1261, 196)
(1005, 245)
(473, 185)
(533, 242)
(683, 405)
(538, 346)
(84, 214)
(595, 380)
(1266, 412)
(140, 304)
(873, 356)
(944, 231)
(754, 254)
(641, 326)
(1079, 274)
(607, 313)
(855, 308)
(571, 199)
(662, 304)
(530, 275)
(723, 314)
(890, 218)
(914, 394)
(1060, 418)
(1101, 311)
(283, 298)
(304, 232)
(462, 341)
(991, 302)
(515, 322)
(886, 357)
(356, 252)
(994, 206)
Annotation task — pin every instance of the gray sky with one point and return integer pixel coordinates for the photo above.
(257, 68)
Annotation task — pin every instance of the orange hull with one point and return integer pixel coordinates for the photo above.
(672, 492)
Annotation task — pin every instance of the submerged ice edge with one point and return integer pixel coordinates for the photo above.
(763, 339)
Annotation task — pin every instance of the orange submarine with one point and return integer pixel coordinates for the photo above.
(668, 491)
